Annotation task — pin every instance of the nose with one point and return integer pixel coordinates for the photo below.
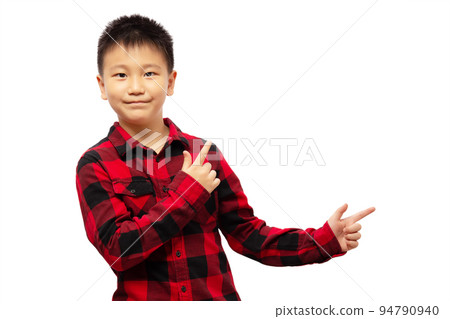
(136, 86)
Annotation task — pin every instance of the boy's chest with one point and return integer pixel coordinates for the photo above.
(141, 182)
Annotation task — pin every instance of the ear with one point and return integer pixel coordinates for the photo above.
(171, 85)
(101, 84)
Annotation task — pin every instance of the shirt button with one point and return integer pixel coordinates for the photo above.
(183, 288)
(132, 191)
(178, 253)
(158, 159)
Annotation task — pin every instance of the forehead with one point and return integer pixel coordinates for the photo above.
(132, 57)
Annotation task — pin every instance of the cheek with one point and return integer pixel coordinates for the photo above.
(157, 86)
(116, 90)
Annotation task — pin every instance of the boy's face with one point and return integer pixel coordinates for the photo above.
(124, 82)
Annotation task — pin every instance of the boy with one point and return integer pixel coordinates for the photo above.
(151, 211)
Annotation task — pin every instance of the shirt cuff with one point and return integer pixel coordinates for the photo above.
(330, 246)
(189, 189)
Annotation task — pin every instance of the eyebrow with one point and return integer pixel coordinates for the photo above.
(148, 65)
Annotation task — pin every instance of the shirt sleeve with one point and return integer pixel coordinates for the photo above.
(125, 240)
(250, 236)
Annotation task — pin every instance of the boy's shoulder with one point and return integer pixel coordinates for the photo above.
(96, 153)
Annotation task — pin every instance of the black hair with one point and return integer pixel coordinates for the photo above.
(135, 30)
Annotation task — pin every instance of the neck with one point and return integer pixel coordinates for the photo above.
(155, 126)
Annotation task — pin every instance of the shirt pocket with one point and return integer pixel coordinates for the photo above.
(133, 187)
(137, 194)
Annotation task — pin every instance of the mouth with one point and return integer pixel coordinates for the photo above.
(137, 102)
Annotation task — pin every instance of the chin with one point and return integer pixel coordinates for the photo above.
(141, 119)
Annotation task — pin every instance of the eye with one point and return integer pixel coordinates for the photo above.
(119, 74)
(153, 73)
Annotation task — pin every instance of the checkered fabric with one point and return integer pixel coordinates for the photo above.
(158, 228)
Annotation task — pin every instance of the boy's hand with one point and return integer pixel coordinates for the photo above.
(347, 230)
(201, 172)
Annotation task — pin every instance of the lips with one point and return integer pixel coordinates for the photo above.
(137, 102)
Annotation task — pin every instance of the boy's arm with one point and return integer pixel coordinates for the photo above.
(251, 237)
(124, 240)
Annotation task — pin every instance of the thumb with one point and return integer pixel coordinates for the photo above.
(340, 211)
(187, 160)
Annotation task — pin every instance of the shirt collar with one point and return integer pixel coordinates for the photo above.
(119, 137)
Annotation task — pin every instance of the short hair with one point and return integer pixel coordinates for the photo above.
(135, 30)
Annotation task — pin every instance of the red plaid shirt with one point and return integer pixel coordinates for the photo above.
(158, 228)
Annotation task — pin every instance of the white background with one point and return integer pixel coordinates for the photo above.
(371, 88)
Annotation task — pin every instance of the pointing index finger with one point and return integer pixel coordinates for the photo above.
(358, 216)
(202, 154)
